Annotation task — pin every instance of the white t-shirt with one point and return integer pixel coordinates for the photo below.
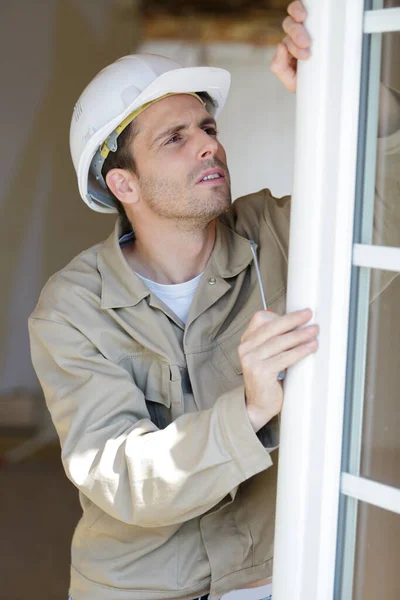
(178, 296)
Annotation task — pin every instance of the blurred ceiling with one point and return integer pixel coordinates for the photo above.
(258, 22)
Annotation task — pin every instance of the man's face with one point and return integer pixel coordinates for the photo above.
(175, 146)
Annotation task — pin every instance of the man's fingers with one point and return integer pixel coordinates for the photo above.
(296, 33)
(259, 319)
(291, 357)
(295, 51)
(284, 66)
(263, 348)
(268, 325)
(295, 46)
(297, 11)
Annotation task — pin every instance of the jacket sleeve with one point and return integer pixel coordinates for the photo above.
(115, 454)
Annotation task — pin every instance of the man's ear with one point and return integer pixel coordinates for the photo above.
(123, 185)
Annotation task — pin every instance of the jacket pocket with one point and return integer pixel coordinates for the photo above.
(161, 384)
(152, 376)
(230, 364)
(163, 393)
(157, 393)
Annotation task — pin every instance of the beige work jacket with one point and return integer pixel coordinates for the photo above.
(177, 491)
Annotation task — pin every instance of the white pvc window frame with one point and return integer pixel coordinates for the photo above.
(376, 257)
(378, 494)
(321, 257)
(376, 21)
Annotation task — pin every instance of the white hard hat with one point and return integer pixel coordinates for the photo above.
(116, 92)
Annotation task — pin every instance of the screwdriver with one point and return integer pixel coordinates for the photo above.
(281, 374)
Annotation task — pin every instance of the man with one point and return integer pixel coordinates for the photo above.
(159, 366)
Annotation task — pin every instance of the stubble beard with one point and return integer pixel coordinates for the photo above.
(188, 210)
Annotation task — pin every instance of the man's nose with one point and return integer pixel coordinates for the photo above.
(208, 145)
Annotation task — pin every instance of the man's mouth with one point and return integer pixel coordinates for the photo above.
(212, 176)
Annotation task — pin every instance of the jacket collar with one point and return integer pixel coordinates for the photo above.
(121, 287)
(231, 253)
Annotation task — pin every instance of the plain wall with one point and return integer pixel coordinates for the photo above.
(50, 49)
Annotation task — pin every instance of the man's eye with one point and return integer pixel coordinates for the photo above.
(211, 130)
(174, 138)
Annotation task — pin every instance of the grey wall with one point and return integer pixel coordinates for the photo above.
(50, 49)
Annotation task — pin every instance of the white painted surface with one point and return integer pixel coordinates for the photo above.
(375, 493)
(376, 257)
(49, 53)
(319, 278)
(376, 21)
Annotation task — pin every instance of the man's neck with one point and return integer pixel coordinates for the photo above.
(173, 255)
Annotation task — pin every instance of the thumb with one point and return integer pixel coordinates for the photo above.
(284, 66)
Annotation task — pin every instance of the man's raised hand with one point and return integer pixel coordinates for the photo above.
(295, 45)
(270, 344)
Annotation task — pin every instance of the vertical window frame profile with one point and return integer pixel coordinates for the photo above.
(321, 249)
(320, 565)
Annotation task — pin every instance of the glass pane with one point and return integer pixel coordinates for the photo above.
(387, 184)
(391, 3)
(380, 446)
(381, 123)
(377, 573)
